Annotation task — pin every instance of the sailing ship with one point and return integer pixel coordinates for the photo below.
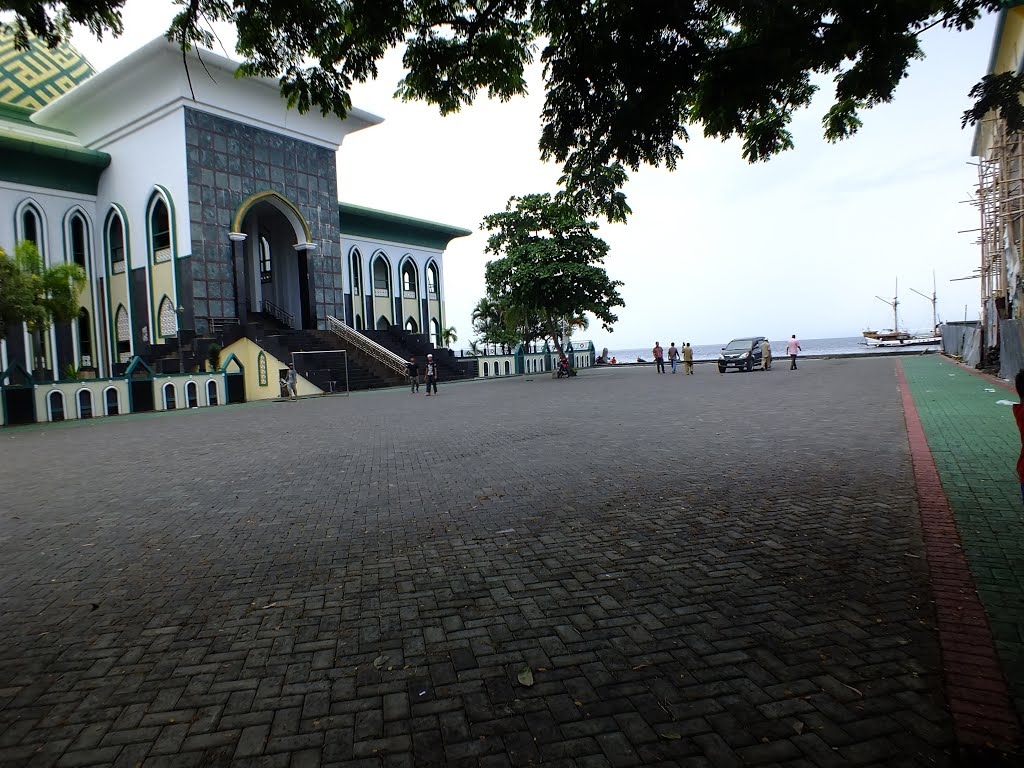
(898, 337)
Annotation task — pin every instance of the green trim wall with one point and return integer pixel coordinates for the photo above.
(160, 191)
(34, 162)
(111, 319)
(372, 224)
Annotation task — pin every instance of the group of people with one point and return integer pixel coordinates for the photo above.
(685, 353)
(412, 370)
(792, 349)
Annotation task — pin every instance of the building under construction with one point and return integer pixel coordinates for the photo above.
(999, 198)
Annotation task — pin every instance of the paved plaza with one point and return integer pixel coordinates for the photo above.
(620, 569)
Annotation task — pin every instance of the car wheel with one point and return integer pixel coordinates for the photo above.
(750, 365)
(721, 369)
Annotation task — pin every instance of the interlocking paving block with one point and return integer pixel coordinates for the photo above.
(709, 569)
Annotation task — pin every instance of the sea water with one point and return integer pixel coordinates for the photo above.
(848, 345)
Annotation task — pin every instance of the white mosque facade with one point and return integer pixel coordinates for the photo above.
(195, 202)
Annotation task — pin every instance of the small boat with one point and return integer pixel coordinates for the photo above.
(900, 339)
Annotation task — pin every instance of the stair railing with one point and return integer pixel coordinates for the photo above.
(273, 310)
(379, 353)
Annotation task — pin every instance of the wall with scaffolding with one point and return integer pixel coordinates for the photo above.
(999, 198)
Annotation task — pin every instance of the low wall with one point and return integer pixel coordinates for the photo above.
(1011, 348)
(93, 398)
(962, 340)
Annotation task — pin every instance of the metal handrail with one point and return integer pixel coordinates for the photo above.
(272, 309)
(379, 353)
(220, 324)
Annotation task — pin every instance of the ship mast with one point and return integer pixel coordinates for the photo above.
(894, 303)
(934, 300)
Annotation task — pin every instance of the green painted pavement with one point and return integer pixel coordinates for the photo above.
(975, 444)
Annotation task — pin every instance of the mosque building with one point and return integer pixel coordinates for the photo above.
(206, 217)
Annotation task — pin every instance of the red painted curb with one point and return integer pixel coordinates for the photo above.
(983, 714)
(981, 375)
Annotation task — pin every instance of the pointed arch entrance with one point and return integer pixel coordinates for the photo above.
(272, 242)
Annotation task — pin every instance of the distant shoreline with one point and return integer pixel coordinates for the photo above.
(895, 352)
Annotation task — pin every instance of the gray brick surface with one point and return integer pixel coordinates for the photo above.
(709, 570)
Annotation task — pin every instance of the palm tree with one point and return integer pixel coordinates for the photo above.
(45, 294)
(487, 319)
(449, 336)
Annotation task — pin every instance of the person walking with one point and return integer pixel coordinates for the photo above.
(766, 355)
(792, 348)
(673, 356)
(412, 370)
(688, 358)
(659, 357)
(430, 379)
(289, 382)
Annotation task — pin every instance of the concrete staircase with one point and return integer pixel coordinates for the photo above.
(363, 371)
(406, 345)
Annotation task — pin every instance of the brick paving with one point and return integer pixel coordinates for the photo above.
(975, 683)
(704, 570)
(975, 445)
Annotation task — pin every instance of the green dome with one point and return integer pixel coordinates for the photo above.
(35, 77)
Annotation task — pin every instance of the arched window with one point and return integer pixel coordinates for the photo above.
(381, 277)
(382, 323)
(433, 280)
(79, 241)
(435, 332)
(211, 392)
(356, 275)
(115, 244)
(497, 368)
(168, 318)
(84, 404)
(124, 334)
(408, 280)
(487, 369)
(30, 226)
(266, 267)
(508, 368)
(84, 338)
(410, 326)
(170, 401)
(359, 323)
(56, 403)
(159, 230)
(111, 401)
(192, 394)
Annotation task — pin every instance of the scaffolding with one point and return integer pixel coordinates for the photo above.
(999, 197)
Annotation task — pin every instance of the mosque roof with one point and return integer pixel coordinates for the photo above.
(34, 77)
(357, 221)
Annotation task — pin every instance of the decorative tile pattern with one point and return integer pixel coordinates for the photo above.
(168, 319)
(227, 162)
(35, 77)
(123, 331)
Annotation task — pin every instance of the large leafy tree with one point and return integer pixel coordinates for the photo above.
(36, 293)
(549, 265)
(623, 81)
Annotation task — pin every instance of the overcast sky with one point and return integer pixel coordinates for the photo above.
(718, 248)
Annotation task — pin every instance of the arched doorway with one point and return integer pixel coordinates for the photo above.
(278, 269)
